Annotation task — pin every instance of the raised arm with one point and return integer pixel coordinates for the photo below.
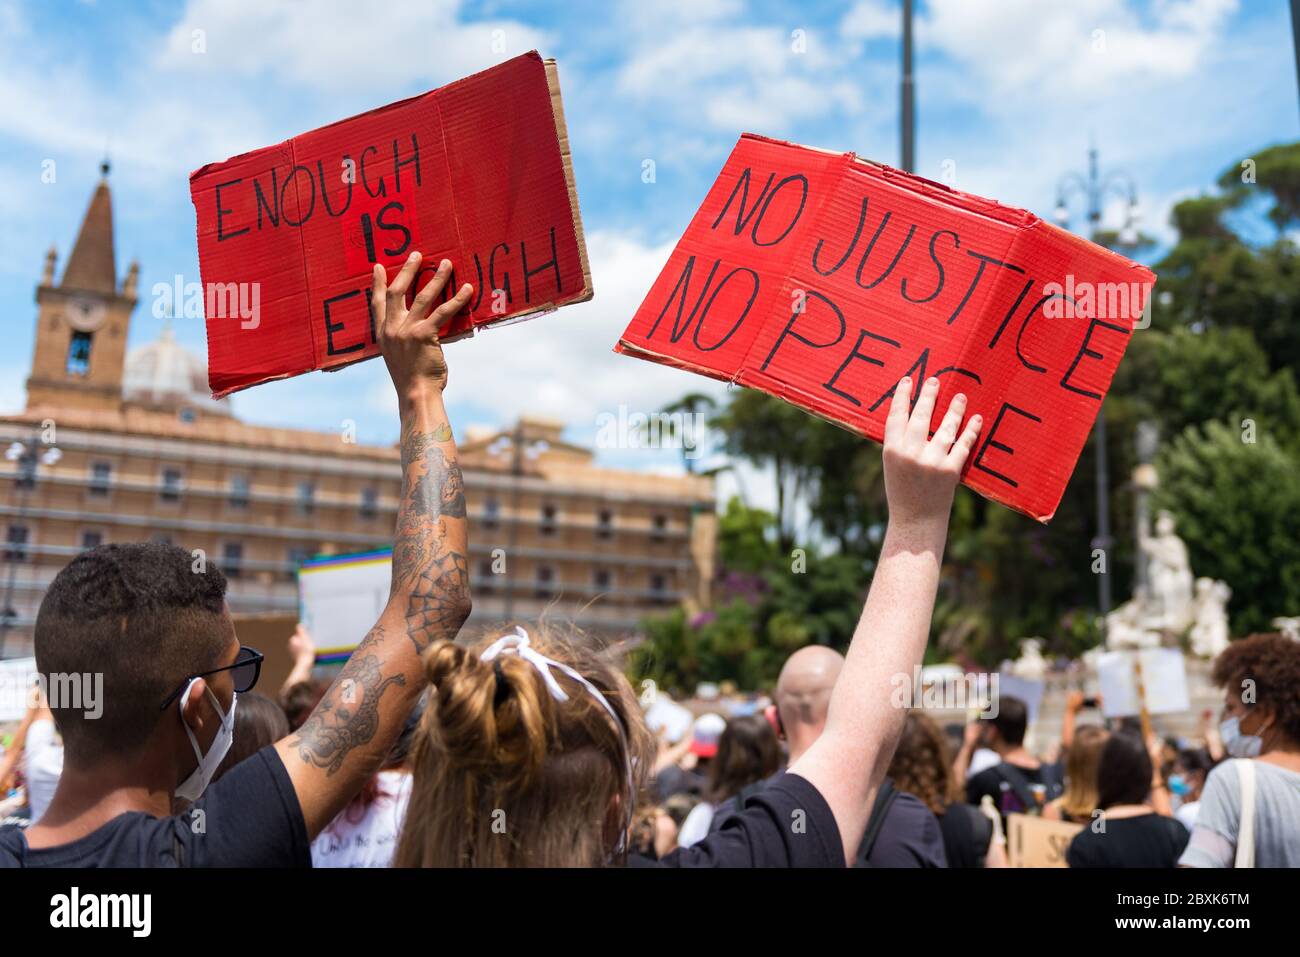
(302, 651)
(348, 734)
(848, 762)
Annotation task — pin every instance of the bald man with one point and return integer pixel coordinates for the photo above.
(907, 835)
(803, 695)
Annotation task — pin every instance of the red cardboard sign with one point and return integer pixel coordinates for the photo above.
(477, 172)
(823, 279)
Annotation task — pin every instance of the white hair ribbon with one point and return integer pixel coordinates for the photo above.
(520, 644)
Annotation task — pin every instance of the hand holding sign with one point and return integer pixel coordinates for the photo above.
(921, 472)
(408, 338)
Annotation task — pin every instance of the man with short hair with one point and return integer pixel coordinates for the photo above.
(902, 832)
(153, 621)
(1019, 782)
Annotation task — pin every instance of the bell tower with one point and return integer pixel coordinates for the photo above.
(82, 322)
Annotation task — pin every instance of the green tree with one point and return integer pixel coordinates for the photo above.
(746, 538)
(1238, 508)
(770, 433)
(1212, 277)
(676, 425)
(1183, 377)
(1275, 171)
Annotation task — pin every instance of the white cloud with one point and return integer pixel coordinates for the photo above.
(740, 77)
(871, 20)
(339, 44)
(563, 365)
(1086, 46)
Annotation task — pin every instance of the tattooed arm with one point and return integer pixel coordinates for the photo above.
(346, 738)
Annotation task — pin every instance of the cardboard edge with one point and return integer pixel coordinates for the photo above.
(531, 55)
(566, 161)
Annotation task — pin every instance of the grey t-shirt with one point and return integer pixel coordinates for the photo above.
(1277, 818)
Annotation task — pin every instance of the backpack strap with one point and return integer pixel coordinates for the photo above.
(1246, 828)
(885, 797)
(1019, 783)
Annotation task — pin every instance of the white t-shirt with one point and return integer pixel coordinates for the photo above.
(43, 765)
(982, 760)
(371, 839)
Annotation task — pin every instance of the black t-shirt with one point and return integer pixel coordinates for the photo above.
(1006, 800)
(786, 824)
(909, 836)
(967, 835)
(249, 818)
(1148, 840)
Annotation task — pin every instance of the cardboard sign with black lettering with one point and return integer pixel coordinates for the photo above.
(477, 172)
(1038, 842)
(823, 279)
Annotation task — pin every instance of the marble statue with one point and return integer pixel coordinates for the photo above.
(1290, 627)
(1031, 665)
(1132, 625)
(1209, 635)
(1172, 606)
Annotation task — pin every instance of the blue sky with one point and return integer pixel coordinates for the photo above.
(1009, 92)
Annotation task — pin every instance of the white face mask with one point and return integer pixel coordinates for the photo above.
(194, 785)
(1237, 744)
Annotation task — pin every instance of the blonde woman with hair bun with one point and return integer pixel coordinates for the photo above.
(533, 750)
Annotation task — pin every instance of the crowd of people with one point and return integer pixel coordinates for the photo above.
(1139, 801)
(530, 748)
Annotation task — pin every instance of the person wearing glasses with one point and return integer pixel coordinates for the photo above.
(152, 622)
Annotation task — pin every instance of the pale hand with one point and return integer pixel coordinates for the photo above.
(921, 472)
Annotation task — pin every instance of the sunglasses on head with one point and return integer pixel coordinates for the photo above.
(244, 673)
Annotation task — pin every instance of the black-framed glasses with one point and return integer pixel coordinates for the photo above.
(244, 673)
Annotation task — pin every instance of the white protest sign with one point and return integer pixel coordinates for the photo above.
(666, 714)
(1028, 691)
(1164, 676)
(341, 598)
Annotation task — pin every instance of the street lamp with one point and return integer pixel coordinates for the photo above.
(28, 456)
(907, 94)
(519, 450)
(1094, 188)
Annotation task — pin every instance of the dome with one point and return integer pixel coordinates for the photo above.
(164, 373)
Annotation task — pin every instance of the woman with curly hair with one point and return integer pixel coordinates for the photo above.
(1249, 812)
(922, 766)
